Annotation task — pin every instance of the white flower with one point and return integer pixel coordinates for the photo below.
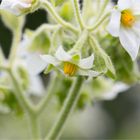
(117, 88)
(125, 24)
(34, 64)
(104, 89)
(71, 64)
(16, 7)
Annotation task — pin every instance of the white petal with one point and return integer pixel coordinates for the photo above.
(49, 59)
(89, 73)
(62, 55)
(86, 63)
(35, 64)
(116, 89)
(114, 24)
(136, 7)
(136, 28)
(36, 85)
(124, 4)
(130, 42)
(14, 6)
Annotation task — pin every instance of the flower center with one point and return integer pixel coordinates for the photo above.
(127, 18)
(69, 68)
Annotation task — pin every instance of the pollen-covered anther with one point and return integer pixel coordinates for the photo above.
(127, 18)
(69, 68)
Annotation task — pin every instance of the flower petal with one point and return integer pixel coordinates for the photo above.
(35, 64)
(124, 4)
(14, 6)
(62, 55)
(49, 59)
(136, 28)
(89, 73)
(136, 7)
(86, 63)
(116, 89)
(114, 24)
(130, 42)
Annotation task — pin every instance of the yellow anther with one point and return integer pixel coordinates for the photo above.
(127, 18)
(69, 68)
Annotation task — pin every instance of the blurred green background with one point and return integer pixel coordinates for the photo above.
(116, 119)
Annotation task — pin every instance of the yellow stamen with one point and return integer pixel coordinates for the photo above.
(69, 68)
(127, 18)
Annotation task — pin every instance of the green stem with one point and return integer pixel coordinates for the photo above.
(27, 106)
(17, 33)
(67, 108)
(102, 8)
(78, 14)
(79, 44)
(51, 10)
(21, 97)
(43, 104)
(99, 22)
(35, 128)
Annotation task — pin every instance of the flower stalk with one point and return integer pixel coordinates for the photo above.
(78, 13)
(68, 107)
(51, 10)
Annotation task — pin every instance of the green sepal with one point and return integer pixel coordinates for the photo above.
(48, 69)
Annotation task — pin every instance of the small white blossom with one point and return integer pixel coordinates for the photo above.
(16, 7)
(125, 24)
(71, 64)
(34, 64)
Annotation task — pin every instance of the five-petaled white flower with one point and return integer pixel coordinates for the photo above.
(71, 65)
(16, 7)
(125, 24)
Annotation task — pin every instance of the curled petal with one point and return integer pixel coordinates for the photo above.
(62, 55)
(116, 89)
(14, 6)
(87, 63)
(49, 59)
(89, 73)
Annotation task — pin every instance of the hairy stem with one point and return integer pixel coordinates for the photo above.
(99, 22)
(35, 128)
(67, 108)
(27, 107)
(43, 104)
(78, 13)
(51, 10)
(102, 8)
(21, 97)
(17, 33)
